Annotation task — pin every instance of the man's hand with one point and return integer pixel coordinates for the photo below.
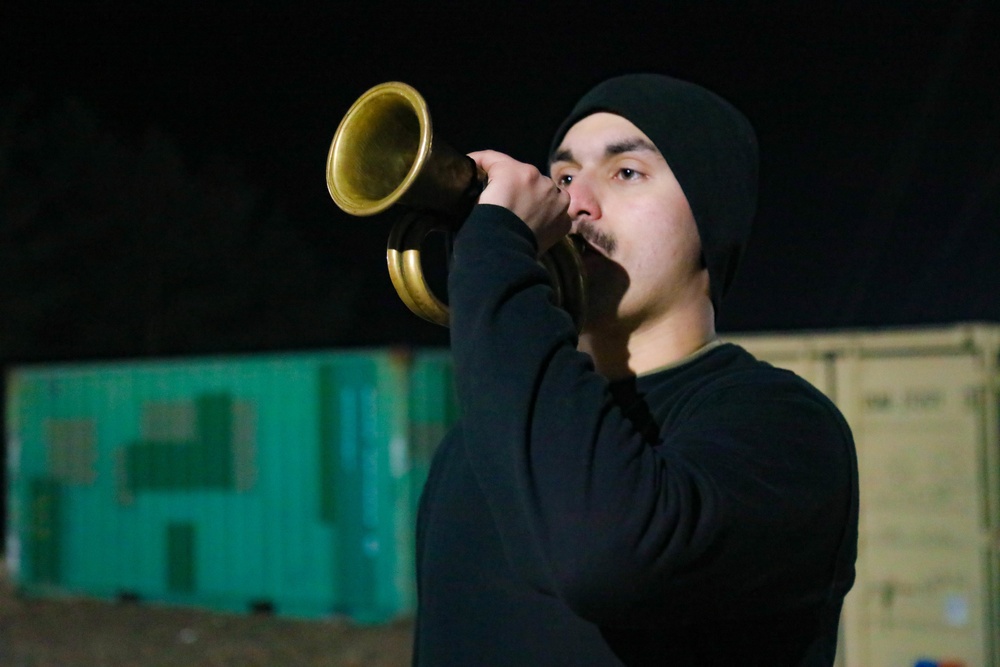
(527, 193)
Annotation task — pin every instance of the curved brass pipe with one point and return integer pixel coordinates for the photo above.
(383, 154)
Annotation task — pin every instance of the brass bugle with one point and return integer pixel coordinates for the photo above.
(384, 154)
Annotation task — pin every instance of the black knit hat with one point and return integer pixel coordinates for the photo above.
(711, 148)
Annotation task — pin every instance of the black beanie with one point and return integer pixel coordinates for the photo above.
(711, 148)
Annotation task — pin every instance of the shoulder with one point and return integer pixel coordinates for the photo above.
(732, 385)
(743, 414)
(735, 371)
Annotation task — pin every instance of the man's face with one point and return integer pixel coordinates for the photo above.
(643, 258)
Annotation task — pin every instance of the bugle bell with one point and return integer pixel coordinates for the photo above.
(384, 154)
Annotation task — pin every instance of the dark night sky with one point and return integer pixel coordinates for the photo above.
(879, 122)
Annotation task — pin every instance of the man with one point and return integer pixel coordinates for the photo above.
(640, 494)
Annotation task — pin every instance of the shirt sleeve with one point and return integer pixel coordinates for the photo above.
(591, 511)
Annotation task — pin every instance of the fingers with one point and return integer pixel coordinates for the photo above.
(525, 191)
(486, 159)
(507, 180)
(489, 161)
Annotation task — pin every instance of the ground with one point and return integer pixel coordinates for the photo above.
(91, 633)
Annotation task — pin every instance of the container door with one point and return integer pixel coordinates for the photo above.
(349, 414)
(923, 563)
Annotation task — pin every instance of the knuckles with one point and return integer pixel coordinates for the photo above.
(526, 191)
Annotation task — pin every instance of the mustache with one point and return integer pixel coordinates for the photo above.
(597, 237)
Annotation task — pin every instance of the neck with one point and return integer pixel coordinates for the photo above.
(620, 351)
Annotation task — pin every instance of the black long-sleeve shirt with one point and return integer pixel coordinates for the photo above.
(704, 514)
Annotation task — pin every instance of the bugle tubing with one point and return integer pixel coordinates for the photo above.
(384, 154)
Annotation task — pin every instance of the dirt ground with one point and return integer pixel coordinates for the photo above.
(90, 633)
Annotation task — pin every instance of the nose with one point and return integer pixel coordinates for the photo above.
(583, 201)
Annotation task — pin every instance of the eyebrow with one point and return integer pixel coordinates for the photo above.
(616, 148)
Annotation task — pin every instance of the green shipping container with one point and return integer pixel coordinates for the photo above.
(284, 482)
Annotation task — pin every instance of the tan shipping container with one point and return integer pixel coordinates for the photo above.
(923, 405)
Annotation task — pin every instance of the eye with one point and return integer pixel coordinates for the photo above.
(628, 174)
(564, 180)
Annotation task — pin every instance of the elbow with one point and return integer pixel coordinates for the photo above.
(611, 568)
(602, 585)
(617, 574)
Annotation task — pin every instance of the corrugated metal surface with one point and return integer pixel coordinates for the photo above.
(283, 482)
(430, 416)
(923, 405)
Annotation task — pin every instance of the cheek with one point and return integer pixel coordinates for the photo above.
(659, 236)
(687, 245)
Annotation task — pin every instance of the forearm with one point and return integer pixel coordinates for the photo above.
(570, 479)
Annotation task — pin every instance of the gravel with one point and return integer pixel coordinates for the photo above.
(80, 632)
